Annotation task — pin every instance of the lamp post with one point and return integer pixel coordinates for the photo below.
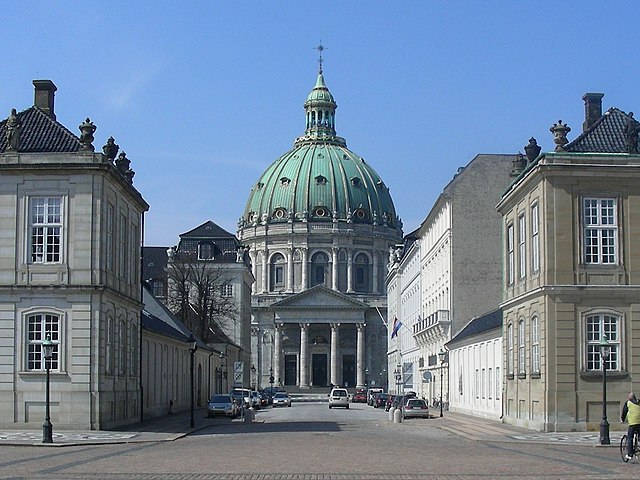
(271, 379)
(441, 355)
(47, 428)
(222, 366)
(397, 373)
(254, 377)
(605, 351)
(193, 347)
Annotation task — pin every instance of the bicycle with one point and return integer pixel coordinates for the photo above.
(623, 447)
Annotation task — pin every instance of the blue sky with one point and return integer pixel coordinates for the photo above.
(204, 95)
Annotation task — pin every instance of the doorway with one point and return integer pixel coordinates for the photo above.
(319, 369)
(290, 369)
(348, 371)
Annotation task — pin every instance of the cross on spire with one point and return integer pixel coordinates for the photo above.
(320, 49)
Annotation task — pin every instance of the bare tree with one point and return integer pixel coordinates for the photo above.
(198, 295)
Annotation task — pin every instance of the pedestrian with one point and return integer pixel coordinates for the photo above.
(631, 413)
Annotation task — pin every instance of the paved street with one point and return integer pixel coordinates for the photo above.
(308, 442)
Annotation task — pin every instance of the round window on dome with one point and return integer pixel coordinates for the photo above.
(280, 214)
(360, 214)
(252, 217)
(321, 212)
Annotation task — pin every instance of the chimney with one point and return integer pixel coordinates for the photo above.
(592, 109)
(44, 96)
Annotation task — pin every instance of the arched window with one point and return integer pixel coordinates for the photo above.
(361, 273)
(597, 326)
(277, 272)
(319, 264)
(40, 325)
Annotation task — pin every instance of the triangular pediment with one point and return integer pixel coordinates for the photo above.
(319, 297)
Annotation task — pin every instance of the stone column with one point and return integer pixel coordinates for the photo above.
(335, 353)
(253, 255)
(334, 269)
(304, 354)
(277, 353)
(265, 271)
(290, 270)
(305, 251)
(349, 271)
(375, 272)
(360, 361)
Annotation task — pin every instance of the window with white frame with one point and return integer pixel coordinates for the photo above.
(477, 383)
(490, 384)
(277, 272)
(122, 265)
(600, 220)
(535, 345)
(483, 379)
(110, 223)
(596, 326)
(226, 290)
(522, 254)
(510, 255)
(134, 254)
(535, 239)
(510, 349)
(205, 251)
(498, 383)
(521, 345)
(38, 326)
(45, 226)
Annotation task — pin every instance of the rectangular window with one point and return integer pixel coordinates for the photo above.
(498, 383)
(279, 276)
(109, 349)
(157, 288)
(600, 231)
(45, 223)
(123, 247)
(522, 254)
(490, 384)
(477, 383)
(122, 348)
(483, 383)
(597, 326)
(535, 345)
(227, 290)
(205, 251)
(110, 222)
(521, 351)
(38, 326)
(510, 255)
(535, 239)
(134, 254)
(510, 349)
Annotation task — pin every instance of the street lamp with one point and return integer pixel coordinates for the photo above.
(254, 377)
(222, 367)
(193, 347)
(441, 355)
(47, 428)
(605, 351)
(397, 373)
(271, 379)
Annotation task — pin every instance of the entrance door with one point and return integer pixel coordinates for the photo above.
(290, 370)
(319, 365)
(348, 371)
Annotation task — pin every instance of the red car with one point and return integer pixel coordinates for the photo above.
(360, 396)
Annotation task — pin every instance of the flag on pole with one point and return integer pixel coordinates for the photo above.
(396, 326)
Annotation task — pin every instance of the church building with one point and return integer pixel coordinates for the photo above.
(319, 223)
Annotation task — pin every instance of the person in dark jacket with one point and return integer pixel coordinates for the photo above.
(631, 413)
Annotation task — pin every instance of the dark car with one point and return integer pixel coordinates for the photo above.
(360, 396)
(265, 399)
(380, 400)
(273, 390)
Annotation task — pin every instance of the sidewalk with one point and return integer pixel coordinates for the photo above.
(159, 429)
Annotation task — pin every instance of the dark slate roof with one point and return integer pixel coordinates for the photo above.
(606, 135)
(480, 324)
(154, 324)
(208, 230)
(154, 261)
(40, 133)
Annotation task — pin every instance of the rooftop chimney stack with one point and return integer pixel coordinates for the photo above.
(592, 109)
(44, 96)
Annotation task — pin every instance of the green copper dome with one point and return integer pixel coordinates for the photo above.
(320, 179)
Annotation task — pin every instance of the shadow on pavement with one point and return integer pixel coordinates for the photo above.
(279, 427)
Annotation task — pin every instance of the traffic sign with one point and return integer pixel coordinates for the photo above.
(237, 367)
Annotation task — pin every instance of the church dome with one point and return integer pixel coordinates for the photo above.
(320, 179)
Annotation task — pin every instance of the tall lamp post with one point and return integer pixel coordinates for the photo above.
(397, 373)
(254, 378)
(271, 379)
(441, 356)
(193, 347)
(47, 428)
(605, 352)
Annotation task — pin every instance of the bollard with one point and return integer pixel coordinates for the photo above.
(249, 415)
(397, 415)
(391, 410)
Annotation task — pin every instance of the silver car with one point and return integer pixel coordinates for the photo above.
(339, 397)
(415, 407)
(222, 405)
(281, 399)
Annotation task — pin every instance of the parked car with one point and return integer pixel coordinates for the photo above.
(398, 401)
(222, 405)
(281, 399)
(389, 402)
(415, 407)
(380, 400)
(371, 394)
(273, 390)
(256, 400)
(360, 396)
(265, 399)
(339, 397)
(242, 396)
